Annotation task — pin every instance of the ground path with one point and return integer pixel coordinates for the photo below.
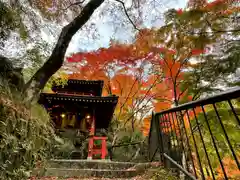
(101, 170)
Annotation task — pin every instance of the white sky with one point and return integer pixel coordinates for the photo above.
(106, 31)
(106, 26)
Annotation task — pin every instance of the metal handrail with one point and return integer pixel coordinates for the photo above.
(230, 94)
(169, 134)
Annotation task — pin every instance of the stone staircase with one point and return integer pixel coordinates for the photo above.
(92, 169)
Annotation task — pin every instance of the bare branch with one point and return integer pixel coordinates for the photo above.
(135, 112)
(128, 96)
(141, 100)
(73, 4)
(183, 91)
(125, 10)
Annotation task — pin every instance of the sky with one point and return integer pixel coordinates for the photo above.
(106, 30)
(105, 25)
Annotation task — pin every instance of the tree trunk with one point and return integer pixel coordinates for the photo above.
(55, 61)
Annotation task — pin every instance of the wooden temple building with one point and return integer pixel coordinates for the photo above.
(79, 106)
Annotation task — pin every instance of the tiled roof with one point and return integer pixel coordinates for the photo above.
(88, 99)
(75, 81)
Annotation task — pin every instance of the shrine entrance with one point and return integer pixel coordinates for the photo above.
(79, 119)
(79, 108)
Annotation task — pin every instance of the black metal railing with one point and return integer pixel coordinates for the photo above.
(200, 138)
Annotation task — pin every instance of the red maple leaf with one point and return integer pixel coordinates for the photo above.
(197, 51)
(180, 11)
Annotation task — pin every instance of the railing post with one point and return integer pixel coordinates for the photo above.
(163, 141)
(155, 135)
(160, 138)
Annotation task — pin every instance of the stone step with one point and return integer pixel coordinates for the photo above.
(92, 168)
(84, 173)
(89, 164)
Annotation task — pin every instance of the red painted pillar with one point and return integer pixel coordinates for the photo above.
(104, 147)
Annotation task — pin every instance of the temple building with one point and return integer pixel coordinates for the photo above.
(79, 107)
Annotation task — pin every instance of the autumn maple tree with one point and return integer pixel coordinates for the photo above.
(127, 83)
(189, 35)
(158, 89)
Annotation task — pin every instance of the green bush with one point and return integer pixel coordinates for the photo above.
(70, 144)
(130, 151)
(26, 135)
(63, 149)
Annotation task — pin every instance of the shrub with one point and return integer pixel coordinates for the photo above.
(127, 150)
(63, 149)
(71, 145)
(26, 135)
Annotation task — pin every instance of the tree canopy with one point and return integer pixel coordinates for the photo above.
(172, 56)
(193, 54)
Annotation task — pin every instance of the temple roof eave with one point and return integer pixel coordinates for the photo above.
(79, 84)
(75, 81)
(88, 99)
